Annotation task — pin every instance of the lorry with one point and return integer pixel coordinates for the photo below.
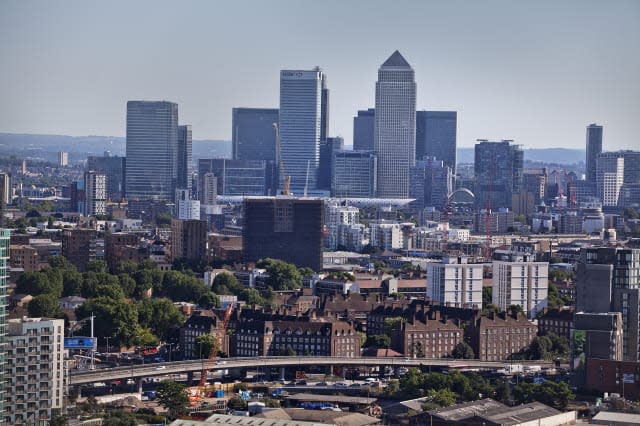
(511, 369)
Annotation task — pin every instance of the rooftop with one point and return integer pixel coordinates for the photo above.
(223, 419)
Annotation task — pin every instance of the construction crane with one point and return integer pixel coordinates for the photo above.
(285, 182)
(220, 332)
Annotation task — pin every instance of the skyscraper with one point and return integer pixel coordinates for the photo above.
(363, 125)
(5, 235)
(301, 125)
(252, 135)
(238, 177)
(395, 126)
(184, 157)
(498, 172)
(436, 136)
(151, 168)
(5, 188)
(594, 147)
(328, 148)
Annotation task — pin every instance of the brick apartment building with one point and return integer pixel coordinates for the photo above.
(496, 336)
(79, 246)
(123, 246)
(263, 334)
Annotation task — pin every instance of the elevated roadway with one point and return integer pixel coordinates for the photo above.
(182, 367)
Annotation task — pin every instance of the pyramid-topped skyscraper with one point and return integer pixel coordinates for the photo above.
(395, 126)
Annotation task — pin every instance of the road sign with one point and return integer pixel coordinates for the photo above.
(628, 378)
(300, 374)
(79, 343)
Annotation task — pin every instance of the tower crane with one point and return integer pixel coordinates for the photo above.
(220, 332)
(281, 172)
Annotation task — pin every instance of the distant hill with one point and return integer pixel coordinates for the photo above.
(543, 155)
(46, 147)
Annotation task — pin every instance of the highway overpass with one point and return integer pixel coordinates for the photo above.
(180, 367)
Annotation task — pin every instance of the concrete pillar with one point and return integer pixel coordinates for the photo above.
(281, 373)
(190, 377)
(139, 385)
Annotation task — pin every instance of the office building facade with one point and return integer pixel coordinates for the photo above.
(395, 126)
(151, 168)
(5, 188)
(436, 133)
(594, 148)
(113, 168)
(363, 130)
(239, 177)
(284, 228)
(431, 183)
(354, 174)
(301, 124)
(253, 136)
(36, 375)
(498, 168)
(455, 282)
(328, 148)
(519, 280)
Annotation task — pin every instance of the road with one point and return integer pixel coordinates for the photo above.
(162, 369)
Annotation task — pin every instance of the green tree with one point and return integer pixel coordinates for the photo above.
(252, 297)
(463, 351)
(487, 296)
(58, 420)
(439, 398)
(236, 403)
(226, 283)
(209, 300)
(163, 220)
(503, 391)
(160, 316)
(97, 266)
(116, 318)
(45, 305)
(205, 344)
(282, 275)
(47, 281)
(380, 341)
(127, 284)
(71, 282)
(174, 397)
(181, 287)
(119, 418)
(96, 284)
(540, 347)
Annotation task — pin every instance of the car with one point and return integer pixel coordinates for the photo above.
(160, 367)
(322, 384)
(355, 385)
(340, 385)
(301, 383)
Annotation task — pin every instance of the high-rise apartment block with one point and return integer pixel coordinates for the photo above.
(301, 124)
(337, 219)
(253, 135)
(185, 143)
(5, 236)
(80, 246)
(498, 170)
(5, 188)
(188, 239)
(207, 188)
(395, 126)
(519, 280)
(284, 228)
(363, 130)
(455, 282)
(436, 136)
(354, 174)
(35, 370)
(113, 168)
(608, 280)
(151, 169)
(63, 158)
(609, 177)
(95, 193)
(594, 147)
(185, 206)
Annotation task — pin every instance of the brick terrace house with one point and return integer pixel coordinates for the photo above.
(201, 322)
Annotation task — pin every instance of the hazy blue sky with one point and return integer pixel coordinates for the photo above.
(537, 71)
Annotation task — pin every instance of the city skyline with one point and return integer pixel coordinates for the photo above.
(505, 68)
